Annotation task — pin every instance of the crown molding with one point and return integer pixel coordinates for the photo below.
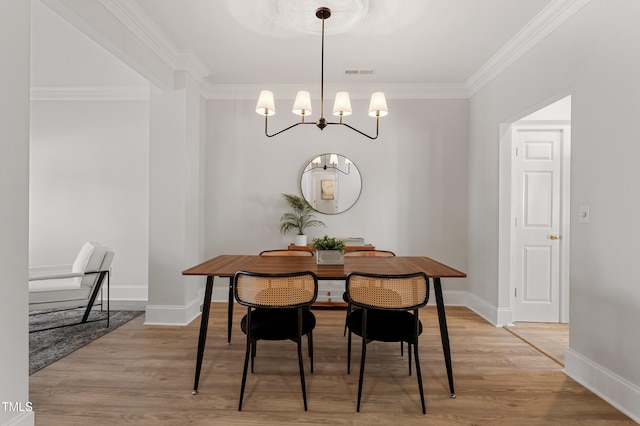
(549, 18)
(288, 91)
(139, 23)
(90, 93)
(143, 27)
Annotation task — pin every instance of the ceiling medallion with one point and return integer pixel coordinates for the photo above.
(346, 14)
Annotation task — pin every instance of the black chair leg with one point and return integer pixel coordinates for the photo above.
(346, 319)
(419, 374)
(360, 380)
(310, 344)
(349, 353)
(253, 354)
(230, 311)
(409, 352)
(244, 373)
(304, 389)
(401, 348)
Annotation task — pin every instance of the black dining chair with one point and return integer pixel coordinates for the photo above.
(388, 307)
(277, 309)
(363, 253)
(275, 252)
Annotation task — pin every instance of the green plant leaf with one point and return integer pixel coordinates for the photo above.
(300, 217)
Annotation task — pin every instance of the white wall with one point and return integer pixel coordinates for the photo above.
(89, 180)
(176, 218)
(414, 178)
(591, 57)
(14, 211)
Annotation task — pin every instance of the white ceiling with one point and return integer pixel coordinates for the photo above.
(412, 43)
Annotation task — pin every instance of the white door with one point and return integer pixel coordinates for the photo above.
(325, 191)
(538, 222)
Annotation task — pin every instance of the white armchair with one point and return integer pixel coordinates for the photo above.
(72, 286)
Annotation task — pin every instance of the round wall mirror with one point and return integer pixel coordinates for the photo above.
(331, 183)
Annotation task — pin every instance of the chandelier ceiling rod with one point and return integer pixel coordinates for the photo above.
(302, 103)
(322, 13)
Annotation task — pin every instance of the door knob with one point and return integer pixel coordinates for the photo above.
(554, 236)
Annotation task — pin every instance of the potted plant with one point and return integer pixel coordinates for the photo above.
(300, 217)
(329, 251)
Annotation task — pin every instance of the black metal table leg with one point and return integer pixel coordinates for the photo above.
(444, 332)
(230, 311)
(204, 323)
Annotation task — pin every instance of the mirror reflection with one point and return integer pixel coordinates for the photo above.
(331, 183)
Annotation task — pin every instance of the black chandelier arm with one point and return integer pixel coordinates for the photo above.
(343, 172)
(362, 133)
(329, 167)
(266, 132)
(266, 125)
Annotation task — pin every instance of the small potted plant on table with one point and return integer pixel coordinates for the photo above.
(329, 251)
(300, 217)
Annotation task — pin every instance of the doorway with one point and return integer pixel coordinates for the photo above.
(540, 146)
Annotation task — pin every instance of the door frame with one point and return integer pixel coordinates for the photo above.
(564, 228)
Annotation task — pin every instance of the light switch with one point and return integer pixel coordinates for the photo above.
(583, 214)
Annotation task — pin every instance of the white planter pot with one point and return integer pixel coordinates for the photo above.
(301, 240)
(329, 257)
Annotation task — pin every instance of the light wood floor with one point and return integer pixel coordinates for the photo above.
(552, 339)
(143, 375)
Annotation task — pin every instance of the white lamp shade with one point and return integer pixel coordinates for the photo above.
(302, 104)
(317, 160)
(333, 159)
(342, 104)
(378, 105)
(266, 105)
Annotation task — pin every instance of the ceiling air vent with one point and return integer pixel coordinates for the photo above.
(358, 72)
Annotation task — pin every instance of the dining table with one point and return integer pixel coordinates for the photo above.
(226, 266)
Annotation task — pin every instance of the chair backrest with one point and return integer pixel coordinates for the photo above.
(275, 290)
(398, 292)
(286, 253)
(359, 253)
(92, 258)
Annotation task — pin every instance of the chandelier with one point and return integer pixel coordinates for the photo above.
(302, 103)
(328, 162)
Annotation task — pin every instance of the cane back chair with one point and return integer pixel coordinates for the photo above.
(275, 252)
(277, 309)
(363, 253)
(388, 312)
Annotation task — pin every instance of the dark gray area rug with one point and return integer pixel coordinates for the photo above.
(48, 346)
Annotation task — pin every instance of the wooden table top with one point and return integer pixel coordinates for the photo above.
(228, 265)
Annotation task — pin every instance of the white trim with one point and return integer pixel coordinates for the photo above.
(24, 419)
(172, 314)
(90, 93)
(143, 27)
(482, 308)
(550, 18)
(288, 91)
(220, 294)
(622, 394)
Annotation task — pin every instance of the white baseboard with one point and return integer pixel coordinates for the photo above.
(220, 294)
(128, 305)
(451, 298)
(172, 314)
(487, 311)
(607, 385)
(26, 418)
